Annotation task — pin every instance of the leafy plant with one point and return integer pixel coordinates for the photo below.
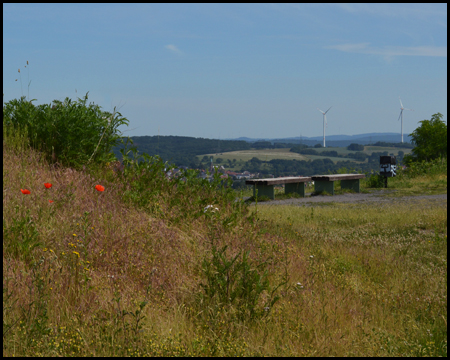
(239, 283)
(418, 168)
(375, 181)
(21, 237)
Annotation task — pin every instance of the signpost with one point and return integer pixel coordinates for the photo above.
(388, 167)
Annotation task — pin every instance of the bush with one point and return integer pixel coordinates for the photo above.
(434, 167)
(430, 140)
(332, 153)
(375, 181)
(307, 152)
(70, 132)
(360, 156)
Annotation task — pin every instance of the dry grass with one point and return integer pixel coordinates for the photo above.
(361, 280)
(373, 277)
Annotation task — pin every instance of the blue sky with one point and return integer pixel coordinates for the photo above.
(232, 70)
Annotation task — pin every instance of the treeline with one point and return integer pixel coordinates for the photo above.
(183, 150)
(269, 145)
(279, 167)
(358, 155)
(390, 144)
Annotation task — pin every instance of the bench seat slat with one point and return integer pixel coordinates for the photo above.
(276, 181)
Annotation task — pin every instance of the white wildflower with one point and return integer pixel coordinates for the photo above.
(211, 208)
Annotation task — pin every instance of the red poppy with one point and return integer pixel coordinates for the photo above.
(99, 188)
(50, 201)
(48, 185)
(25, 191)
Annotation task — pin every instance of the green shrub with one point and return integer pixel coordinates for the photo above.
(184, 195)
(70, 132)
(432, 168)
(375, 181)
(238, 283)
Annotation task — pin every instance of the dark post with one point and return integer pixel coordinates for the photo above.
(388, 167)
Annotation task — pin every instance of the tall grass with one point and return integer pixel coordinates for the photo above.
(145, 268)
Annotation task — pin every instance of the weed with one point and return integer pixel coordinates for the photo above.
(21, 237)
(237, 283)
(375, 181)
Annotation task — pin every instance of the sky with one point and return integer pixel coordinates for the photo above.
(234, 70)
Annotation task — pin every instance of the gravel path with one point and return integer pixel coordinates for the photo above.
(376, 196)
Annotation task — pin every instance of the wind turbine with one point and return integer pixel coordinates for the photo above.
(401, 114)
(324, 122)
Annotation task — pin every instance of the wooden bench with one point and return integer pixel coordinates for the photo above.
(265, 186)
(326, 182)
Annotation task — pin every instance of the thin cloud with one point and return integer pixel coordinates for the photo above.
(390, 51)
(174, 49)
(422, 11)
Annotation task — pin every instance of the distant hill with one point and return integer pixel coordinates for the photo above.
(337, 140)
(182, 150)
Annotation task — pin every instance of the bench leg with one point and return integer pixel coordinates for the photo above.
(298, 188)
(351, 184)
(327, 186)
(264, 190)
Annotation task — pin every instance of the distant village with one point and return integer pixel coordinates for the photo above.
(209, 174)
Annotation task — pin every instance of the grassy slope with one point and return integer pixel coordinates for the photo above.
(362, 280)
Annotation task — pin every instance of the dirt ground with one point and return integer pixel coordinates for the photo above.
(379, 196)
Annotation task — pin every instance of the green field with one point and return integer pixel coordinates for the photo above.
(394, 150)
(263, 154)
(285, 154)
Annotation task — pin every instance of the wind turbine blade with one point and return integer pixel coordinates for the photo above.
(320, 111)
(328, 109)
(400, 102)
(400, 115)
(408, 109)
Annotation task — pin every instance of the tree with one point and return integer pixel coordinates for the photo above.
(430, 140)
(355, 147)
(255, 161)
(359, 156)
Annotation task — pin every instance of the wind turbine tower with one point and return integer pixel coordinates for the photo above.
(324, 122)
(401, 113)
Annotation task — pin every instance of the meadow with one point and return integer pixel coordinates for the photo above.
(367, 149)
(263, 154)
(100, 262)
(270, 154)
